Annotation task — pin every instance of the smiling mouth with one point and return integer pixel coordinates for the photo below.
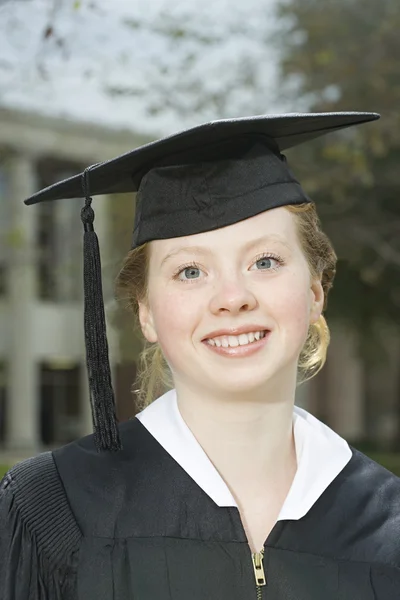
(236, 341)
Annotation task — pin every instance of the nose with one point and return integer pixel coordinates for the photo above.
(232, 297)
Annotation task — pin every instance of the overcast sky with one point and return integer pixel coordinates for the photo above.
(153, 66)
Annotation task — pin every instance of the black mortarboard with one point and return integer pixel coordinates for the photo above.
(201, 179)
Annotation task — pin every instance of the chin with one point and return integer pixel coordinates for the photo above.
(247, 379)
(239, 383)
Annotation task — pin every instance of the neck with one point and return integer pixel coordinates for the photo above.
(249, 440)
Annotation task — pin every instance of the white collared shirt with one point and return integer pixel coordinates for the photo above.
(321, 455)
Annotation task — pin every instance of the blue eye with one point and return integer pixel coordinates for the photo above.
(268, 261)
(189, 270)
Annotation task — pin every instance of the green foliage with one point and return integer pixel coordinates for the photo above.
(389, 461)
(3, 470)
(343, 55)
(15, 238)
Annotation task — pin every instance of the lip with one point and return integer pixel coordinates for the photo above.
(235, 331)
(240, 351)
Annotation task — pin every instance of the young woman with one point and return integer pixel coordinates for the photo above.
(220, 489)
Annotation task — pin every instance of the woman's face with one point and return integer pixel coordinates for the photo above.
(251, 273)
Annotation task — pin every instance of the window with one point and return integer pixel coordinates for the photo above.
(60, 395)
(60, 236)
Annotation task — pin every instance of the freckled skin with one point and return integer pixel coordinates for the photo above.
(232, 287)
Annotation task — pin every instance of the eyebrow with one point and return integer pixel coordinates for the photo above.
(273, 237)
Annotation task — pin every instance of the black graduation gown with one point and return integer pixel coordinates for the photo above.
(78, 525)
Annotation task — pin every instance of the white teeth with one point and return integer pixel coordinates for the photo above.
(233, 341)
(244, 339)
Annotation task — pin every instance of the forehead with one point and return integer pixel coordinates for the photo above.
(276, 225)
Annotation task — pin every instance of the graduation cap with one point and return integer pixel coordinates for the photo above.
(197, 180)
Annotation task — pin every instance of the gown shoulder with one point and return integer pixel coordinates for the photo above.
(39, 537)
(359, 513)
(47, 505)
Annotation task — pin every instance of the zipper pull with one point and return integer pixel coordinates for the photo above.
(259, 568)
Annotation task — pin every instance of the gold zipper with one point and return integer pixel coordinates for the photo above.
(259, 573)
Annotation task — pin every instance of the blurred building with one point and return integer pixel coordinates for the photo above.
(43, 383)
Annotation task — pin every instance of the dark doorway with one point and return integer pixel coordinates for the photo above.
(60, 395)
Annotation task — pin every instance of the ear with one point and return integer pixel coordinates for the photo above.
(317, 300)
(147, 323)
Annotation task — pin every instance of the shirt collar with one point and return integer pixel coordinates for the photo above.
(321, 455)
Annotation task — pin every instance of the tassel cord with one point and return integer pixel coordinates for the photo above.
(106, 434)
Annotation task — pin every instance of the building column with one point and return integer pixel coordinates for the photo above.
(86, 427)
(23, 406)
(382, 383)
(345, 384)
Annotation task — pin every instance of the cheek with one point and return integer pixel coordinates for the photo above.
(292, 305)
(174, 319)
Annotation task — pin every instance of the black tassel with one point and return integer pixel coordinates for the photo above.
(106, 434)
